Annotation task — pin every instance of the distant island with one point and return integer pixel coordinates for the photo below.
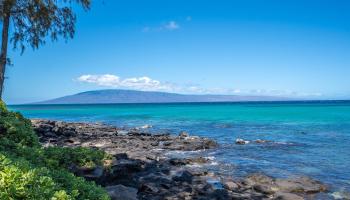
(133, 96)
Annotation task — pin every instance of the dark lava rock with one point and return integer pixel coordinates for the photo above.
(95, 175)
(230, 185)
(184, 134)
(188, 161)
(300, 185)
(141, 160)
(264, 189)
(185, 176)
(120, 156)
(124, 166)
(287, 196)
(121, 192)
(148, 188)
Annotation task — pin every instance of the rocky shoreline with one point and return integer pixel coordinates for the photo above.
(142, 169)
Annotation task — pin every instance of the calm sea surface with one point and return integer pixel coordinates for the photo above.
(309, 138)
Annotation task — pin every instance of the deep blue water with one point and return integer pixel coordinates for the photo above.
(309, 138)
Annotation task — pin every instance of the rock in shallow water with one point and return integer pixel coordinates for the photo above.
(259, 141)
(284, 188)
(230, 185)
(287, 196)
(300, 185)
(188, 161)
(241, 141)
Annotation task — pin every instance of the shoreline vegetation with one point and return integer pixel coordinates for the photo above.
(43, 159)
(30, 171)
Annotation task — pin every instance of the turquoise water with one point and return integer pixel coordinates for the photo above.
(309, 138)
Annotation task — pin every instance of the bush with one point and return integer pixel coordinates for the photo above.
(29, 171)
(16, 128)
(57, 157)
(20, 181)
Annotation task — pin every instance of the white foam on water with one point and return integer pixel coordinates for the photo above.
(340, 195)
(214, 163)
(210, 157)
(284, 143)
(195, 165)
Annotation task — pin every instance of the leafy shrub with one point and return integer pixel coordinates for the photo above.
(20, 180)
(16, 128)
(82, 157)
(58, 157)
(29, 171)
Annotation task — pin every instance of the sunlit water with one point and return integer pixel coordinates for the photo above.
(309, 138)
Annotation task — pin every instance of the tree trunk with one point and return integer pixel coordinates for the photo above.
(3, 54)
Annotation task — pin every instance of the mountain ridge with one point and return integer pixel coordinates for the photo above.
(135, 96)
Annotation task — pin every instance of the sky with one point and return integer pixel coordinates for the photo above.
(293, 48)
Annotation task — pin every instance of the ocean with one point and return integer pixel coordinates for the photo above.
(306, 138)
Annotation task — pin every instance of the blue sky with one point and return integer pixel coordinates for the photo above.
(293, 48)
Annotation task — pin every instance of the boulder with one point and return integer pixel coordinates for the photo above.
(69, 132)
(300, 185)
(185, 176)
(260, 179)
(125, 167)
(121, 192)
(148, 188)
(183, 134)
(264, 189)
(219, 194)
(268, 185)
(287, 196)
(49, 134)
(230, 185)
(121, 156)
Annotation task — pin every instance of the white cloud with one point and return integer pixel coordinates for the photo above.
(172, 25)
(145, 83)
(101, 80)
(169, 26)
(138, 83)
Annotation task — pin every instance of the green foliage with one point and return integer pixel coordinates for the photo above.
(56, 157)
(2, 106)
(14, 127)
(82, 157)
(35, 21)
(29, 171)
(19, 179)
